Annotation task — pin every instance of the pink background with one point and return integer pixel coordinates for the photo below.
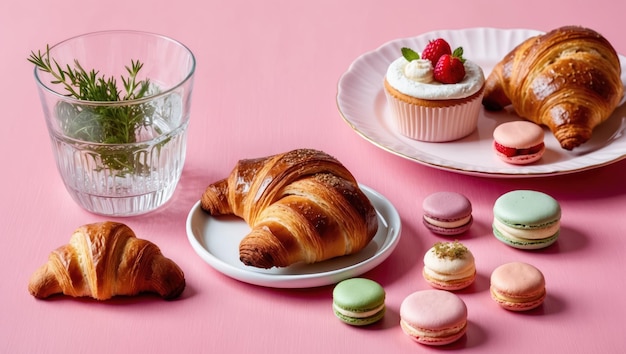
(266, 83)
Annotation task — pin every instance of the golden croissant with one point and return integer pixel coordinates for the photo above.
(106, 259)
(567, 79)
(302, 206)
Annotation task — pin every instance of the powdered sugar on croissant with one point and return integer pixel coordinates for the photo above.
(302, 206)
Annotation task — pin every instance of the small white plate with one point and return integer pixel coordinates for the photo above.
(216, 240)
(361, 102)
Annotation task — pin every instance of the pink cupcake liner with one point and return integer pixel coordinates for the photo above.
(435, 124)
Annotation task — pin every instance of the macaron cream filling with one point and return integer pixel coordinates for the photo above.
(465, 274)
(438, 333)
(526, 233)
(448, 224)
(518, 299)
(512, 151)
(360, 314)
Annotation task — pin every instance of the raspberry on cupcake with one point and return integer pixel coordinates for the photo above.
(435, 97)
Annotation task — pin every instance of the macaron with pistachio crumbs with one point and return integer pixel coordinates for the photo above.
(526, 219)
(359, 301)
(518, 286)
(449, 266)
(447, 213)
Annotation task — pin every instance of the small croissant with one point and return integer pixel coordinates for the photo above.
(302, 206)
(568, 79)
(106, 259)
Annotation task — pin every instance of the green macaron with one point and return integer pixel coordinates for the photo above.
(359, 301)
(526, 219)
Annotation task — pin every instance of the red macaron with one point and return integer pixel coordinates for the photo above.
(519, 142)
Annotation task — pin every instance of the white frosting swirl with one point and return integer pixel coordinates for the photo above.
(399, 79)
(419, 70)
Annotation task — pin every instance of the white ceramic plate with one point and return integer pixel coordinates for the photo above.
(216, 240)
(361, 102)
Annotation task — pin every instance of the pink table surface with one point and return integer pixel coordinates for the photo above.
(266, 82)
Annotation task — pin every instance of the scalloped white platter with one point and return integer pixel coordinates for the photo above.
(362, 104)
(216, 240)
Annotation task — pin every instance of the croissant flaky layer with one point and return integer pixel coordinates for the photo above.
(106, 259)
(568, 79)
(302, 206)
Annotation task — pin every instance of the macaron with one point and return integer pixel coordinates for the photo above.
(518, 286)
(519, 142)
(449, 266)
(433, 317)
(526, 219)
(359, 301)
(447, 213)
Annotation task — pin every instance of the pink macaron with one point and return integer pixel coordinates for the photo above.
(518, 286)
(447, 213)
(519, 142)
(433, 317)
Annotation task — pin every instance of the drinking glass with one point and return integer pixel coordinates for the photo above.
(123, 157)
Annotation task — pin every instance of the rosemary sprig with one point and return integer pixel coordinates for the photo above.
(116, 124)
(88, 86)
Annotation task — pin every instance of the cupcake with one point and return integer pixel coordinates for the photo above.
(435, 97)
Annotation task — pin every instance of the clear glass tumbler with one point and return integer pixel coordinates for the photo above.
(124, 157)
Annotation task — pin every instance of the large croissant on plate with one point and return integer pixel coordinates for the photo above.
(567, 79)
(106, 259)
(302, 206)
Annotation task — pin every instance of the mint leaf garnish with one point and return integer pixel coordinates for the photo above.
(409, 54)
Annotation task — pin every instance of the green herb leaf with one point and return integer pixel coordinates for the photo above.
(458, 52)
(409, 54)
(100, 124)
